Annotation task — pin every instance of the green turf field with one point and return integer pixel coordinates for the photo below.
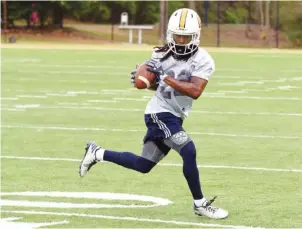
(246, 126)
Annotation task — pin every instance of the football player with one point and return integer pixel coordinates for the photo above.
(183, 70)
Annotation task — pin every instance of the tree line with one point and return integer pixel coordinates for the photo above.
(263, 13)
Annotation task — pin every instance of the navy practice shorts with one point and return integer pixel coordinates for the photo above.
(161, 126)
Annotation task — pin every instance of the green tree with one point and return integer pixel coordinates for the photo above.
(291, 21)
(17, 10)
(147, 12)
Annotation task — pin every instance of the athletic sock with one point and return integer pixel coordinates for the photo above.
(99, 154)
(200, 202)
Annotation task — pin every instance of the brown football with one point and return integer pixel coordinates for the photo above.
(144, 78)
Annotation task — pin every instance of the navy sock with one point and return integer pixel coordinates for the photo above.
(190, 170)
(129, 160)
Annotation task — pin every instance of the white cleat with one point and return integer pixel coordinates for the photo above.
(89, 158)
(210, 211)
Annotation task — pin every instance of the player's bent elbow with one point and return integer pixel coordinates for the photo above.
(196, 94)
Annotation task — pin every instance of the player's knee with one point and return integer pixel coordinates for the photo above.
(144, 166)
(188, 152)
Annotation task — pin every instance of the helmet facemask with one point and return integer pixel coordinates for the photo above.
(190, 44)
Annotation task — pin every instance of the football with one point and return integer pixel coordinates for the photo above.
(144, 78)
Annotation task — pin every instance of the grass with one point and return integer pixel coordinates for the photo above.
(54, 101)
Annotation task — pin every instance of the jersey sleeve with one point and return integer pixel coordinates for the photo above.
(204, 66)
(157, 55)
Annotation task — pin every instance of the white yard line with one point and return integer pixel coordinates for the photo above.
(96, 66)
(33, 96)
(82, 73)
(11, 109)
(218, 94)
(23, 106)
(174, 222)
(110, 66)
(132, 99)
(115, 100)
(162, 164)
(254, 97)
(85, 80)
(262, 81)
(142, 130)
(63, 80)
(8, 98)
(256, 70)
(247, 113)
(102, 101)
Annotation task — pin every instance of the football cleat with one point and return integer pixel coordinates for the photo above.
(89, 158)
(210, 211)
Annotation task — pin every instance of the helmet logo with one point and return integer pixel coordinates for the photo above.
(183, 17)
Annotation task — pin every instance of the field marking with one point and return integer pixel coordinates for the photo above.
(10, 223)
(8, 98)
(256, 70)
(21, 60)
(115, 100)
(33, 96)
(140, 130)
(221, 84)
(63, 72)
(97, 66)
(130, 90)
(260, 77)
(102, 101)
(254, 97)
(127, 219)
(162, 164)
(11, 109)
(261, 82)
(156, 201)
(131, 99)
(23, 106)
(102, 66)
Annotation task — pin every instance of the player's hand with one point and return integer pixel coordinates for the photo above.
(132, 77)
(156, 68)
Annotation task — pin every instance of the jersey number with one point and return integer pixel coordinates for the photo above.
(165, 94)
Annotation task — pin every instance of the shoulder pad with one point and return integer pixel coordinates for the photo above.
(203, 57)
(157, 55)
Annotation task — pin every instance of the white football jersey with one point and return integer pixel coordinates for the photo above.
(166, 98)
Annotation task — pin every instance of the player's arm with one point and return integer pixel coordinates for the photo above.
(193, 89)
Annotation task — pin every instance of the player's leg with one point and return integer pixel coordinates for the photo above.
(183, 144)
(153, 151)
(151, 155)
